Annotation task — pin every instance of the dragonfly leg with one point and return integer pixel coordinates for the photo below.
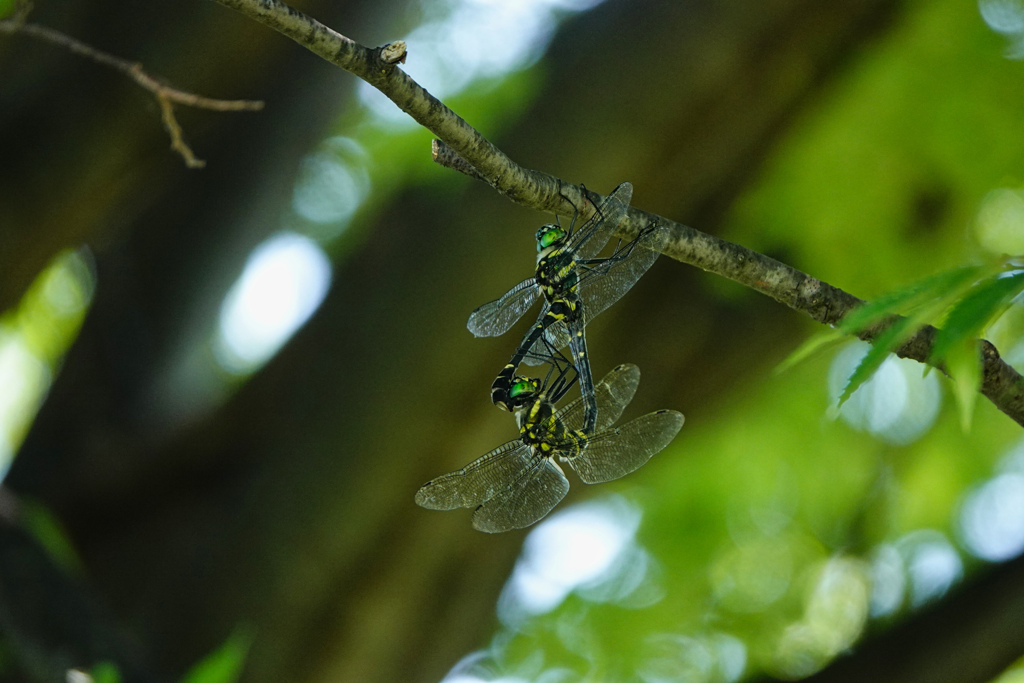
(560, 310)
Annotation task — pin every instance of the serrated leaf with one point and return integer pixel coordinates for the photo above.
(880, 349)
(933, 291)
(963, 362)
(969, 317)
(924, 299)
(223, 665)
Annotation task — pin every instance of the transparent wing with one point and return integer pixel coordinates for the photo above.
(528, 500)
(534, 355)
(495, 317)
(605, 282)
(479, 481)
(590, 239)
(612, 394)
(557, 335)
(617, 452)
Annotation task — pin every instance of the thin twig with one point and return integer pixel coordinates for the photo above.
(166, 95)
(464, 149)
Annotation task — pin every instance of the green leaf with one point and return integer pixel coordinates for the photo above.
(933, 294)
(880, 349)
(224, 665)
(932, 291)
(925, 300)
(6, 7)
(972, 314)
(963, 362)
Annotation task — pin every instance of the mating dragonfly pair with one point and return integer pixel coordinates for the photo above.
(519, 482)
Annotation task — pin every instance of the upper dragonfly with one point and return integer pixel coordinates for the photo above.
(519, 482)
(576, 286)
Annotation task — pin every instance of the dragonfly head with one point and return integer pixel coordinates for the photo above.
(548, 236)
(511, 396)
(523, 389)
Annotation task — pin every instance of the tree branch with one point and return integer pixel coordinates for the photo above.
(521, 185)
(463, 148)
(166, 95)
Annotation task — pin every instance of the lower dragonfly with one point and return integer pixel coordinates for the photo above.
(576, 286)
(519, 482)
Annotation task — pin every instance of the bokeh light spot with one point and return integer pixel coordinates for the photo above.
(992, 518)
(472, 41)
(898, 404)
(332, 184)
(1006, 17)
(999, 225)
(572, 548)
(888, 581)
(933, 564)
(283, 283)
(835, 615)
(705, 658)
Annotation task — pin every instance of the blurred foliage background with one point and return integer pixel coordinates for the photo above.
(182, 470)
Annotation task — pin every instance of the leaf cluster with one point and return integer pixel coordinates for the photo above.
(962, 303)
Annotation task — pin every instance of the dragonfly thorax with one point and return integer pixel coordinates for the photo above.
(538, 426)
(556, 273)
(529, 414)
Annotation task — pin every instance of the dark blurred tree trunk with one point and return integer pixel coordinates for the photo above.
(291, 506)
(972, 636)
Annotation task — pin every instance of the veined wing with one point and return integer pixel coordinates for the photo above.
(534, 355)
(605, 282)
(590, 239)
(613, 393)
(480, 480)
(495, 317)
(530, 498)
(557, 334)
(617, 452)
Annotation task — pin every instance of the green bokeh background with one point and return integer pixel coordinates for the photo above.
(854, 143)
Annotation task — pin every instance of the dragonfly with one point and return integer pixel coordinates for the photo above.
(519, 482)
(576, 286)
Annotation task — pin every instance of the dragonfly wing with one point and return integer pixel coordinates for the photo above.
(557, 335)
(617, 452)
(590, 239)
(479, 481)
(528, 500)
(604, 283)
(496, 317)
(612, 394)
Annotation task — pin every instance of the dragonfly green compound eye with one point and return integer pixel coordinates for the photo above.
(548, 235)
(522, 386)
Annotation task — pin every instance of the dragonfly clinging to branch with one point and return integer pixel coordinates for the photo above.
(576, 286)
